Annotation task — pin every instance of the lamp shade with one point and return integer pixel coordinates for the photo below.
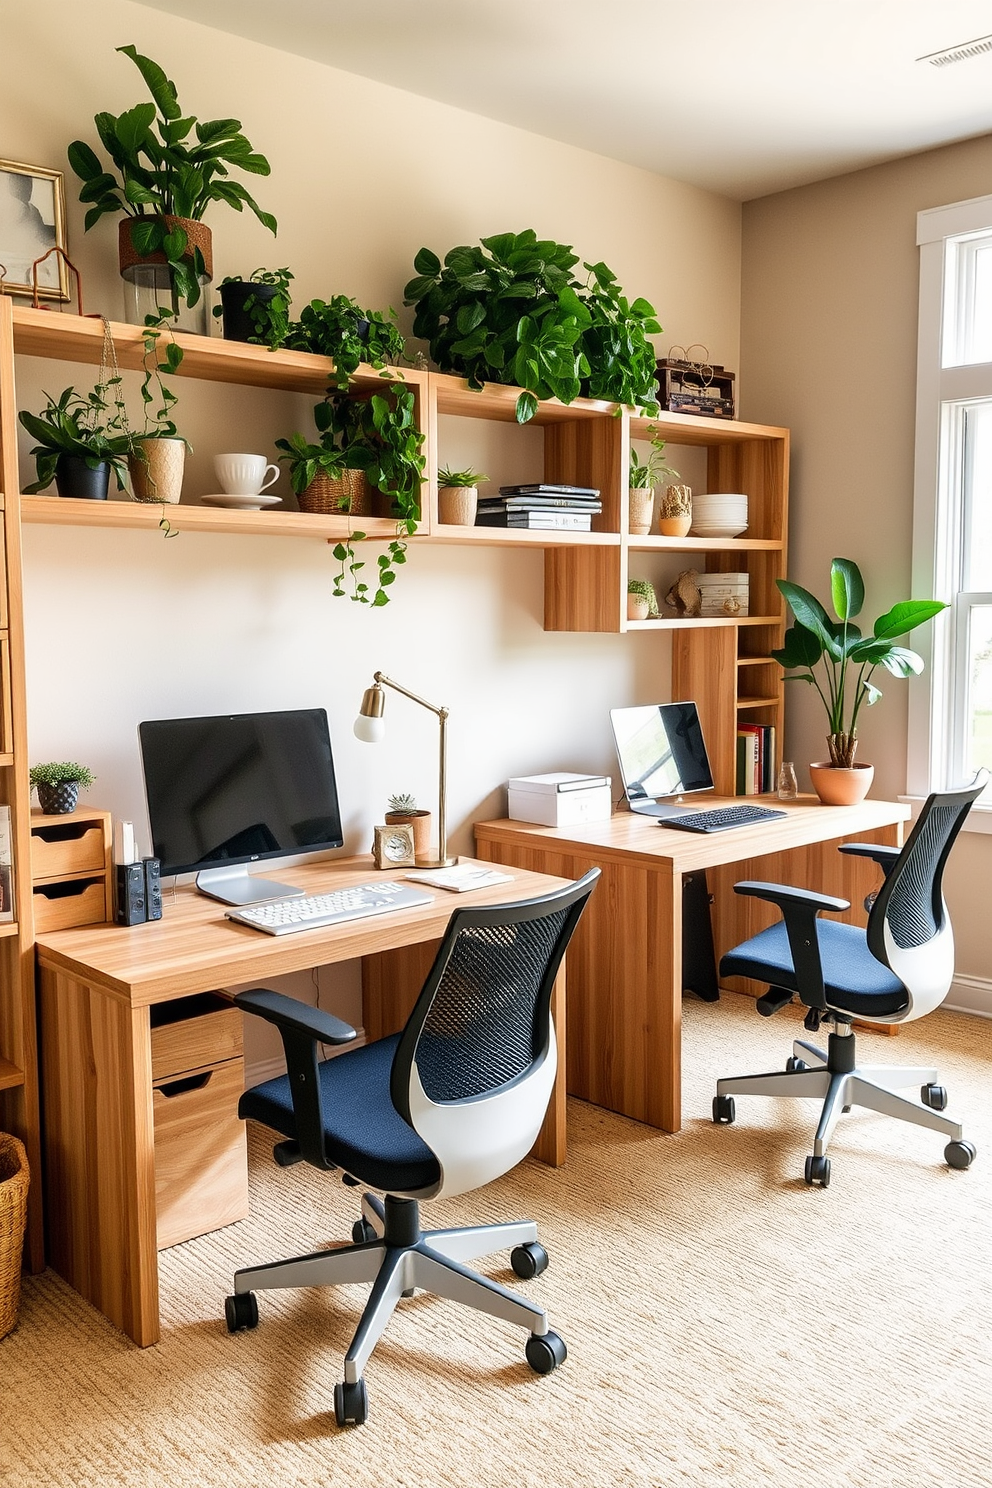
(370, 730)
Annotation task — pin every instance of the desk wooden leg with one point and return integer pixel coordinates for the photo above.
(391, 982)
(99, 1150)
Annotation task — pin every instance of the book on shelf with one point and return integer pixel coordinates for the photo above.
(557, 521)
(6, 867)
(540, 503)
(542, 488)
(755, 759)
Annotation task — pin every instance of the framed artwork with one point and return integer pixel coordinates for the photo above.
(32, 220)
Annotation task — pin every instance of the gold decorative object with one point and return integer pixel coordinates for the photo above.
(684, 594)
(393, 847)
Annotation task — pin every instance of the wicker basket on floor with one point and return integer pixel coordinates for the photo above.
(14, 1179)
(351, 493)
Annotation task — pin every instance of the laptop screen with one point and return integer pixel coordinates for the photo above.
(661, 750)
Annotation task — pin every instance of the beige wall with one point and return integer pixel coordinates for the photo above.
(123, 626)
(828, 331)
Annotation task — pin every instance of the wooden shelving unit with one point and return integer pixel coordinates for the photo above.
(724, 664)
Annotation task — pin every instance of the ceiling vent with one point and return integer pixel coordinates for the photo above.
(958, 53)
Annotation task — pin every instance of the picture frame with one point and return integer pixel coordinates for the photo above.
(32, 220)
(393, 847)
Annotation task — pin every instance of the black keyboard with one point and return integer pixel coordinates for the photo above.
(720, 818)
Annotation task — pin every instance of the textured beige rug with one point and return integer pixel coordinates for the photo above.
(726, 1325)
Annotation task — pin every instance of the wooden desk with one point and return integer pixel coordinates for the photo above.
(625, 960)
(96, 988)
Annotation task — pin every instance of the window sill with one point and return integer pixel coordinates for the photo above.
(979, 818)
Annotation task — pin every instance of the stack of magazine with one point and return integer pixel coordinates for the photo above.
(541, 508)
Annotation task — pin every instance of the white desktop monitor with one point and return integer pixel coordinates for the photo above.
(662, 756)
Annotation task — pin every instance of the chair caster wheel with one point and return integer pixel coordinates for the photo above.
(528, 1260)
(818, 1171)
(724, 1110)
(351, 1403)
(960, 1154)
(545, 1351)
(362, 1232)
(241, 1311)
(934, 1096)
(794, 1065)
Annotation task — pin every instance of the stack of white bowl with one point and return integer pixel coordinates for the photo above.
(719, 514)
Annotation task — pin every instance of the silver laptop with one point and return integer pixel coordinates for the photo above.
(662, 756)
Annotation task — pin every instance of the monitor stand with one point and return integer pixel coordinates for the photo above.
(663, 809)
(235, 885)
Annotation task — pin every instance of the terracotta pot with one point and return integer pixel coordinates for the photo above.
(157, 469)
(674, 526)
(420, 821)
(456, 505)
(640, 509)
(837, 786)
(638, 607)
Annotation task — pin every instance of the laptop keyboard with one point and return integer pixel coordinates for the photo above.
(720, 818)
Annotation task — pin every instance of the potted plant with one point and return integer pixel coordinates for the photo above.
(675, 511)
(512, 311)
(164, 183)
(319, 475)
(641, 482)
(339, 328)
(642, 602)
(80, 440)
(157, 455)
(256, 309)
(403, 811)
(58, 785)
(849, 660)
(458, 496)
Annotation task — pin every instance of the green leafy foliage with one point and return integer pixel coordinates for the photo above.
(646, 473)
(448, 477)
(339, 328)
(158, 399)
(512, 311)
(167, 165)
(307, 461)
(268, 314)
(403, 805)
(840, 645)
(92, 426)
(61, 772)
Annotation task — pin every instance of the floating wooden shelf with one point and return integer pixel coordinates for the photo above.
(701, 622)
(57, 511)
(523, 538)
(704, 544)
(757, 702)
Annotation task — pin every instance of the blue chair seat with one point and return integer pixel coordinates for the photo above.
(854, 981)
(364, 1133)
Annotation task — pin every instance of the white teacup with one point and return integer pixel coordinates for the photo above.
(244, 475)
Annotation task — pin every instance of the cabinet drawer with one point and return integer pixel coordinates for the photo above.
(59, 906)
(193, 1032)
(75, 847)
(201, 1153)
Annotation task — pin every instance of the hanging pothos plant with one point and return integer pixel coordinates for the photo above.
(512, 311)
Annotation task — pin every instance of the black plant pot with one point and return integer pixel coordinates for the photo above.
(237, 321)
(56, 800)
(73, 477)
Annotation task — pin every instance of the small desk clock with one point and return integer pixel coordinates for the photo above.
(393, 847)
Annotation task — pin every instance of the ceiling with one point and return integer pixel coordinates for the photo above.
(743, 97)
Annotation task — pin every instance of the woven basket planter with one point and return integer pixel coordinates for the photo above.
(351, 493)
(14, 1180)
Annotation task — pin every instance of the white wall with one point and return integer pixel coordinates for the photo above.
(124, 625)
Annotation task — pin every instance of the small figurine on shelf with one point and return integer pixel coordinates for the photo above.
(684, 594)
(675, 511)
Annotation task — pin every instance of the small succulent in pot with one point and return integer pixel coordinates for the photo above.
(403, 808)
(458, 496)
(58, 784)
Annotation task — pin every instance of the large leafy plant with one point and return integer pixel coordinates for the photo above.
(512, 311)
(849, 658)
(163, 172)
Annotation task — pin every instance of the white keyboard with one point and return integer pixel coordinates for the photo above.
(286, 916)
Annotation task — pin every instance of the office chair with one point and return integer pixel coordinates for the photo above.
(898, 969)
(446, 1106)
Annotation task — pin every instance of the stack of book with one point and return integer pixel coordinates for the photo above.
(541, 507)
(723, 593)
(755, 759)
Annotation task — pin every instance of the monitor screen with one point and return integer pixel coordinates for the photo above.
(661, 750)
(239, 788)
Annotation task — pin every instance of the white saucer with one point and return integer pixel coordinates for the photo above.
(242, 500)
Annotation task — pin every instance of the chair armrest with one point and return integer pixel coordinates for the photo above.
(783, 894)
(886, 857)
(290, 1013)
(800, 908)
(301, 1027)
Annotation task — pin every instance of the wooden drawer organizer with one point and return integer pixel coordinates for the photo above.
(201, 1150)
(71, 869)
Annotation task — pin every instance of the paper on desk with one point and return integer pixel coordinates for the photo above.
(460, 877)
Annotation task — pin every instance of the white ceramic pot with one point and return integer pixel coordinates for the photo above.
(638, 607)
(457, 505)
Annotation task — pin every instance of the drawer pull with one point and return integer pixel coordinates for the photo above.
(68, 890)
(189, 1082)
(66, 832)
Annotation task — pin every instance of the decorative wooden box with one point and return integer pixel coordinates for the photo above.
(696, 387)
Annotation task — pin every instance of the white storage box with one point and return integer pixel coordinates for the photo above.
(560, 800)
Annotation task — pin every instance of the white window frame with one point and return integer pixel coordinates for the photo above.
(936, 701)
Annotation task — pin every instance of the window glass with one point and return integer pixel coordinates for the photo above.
(977, 495)
(978, 741)
(980, 331)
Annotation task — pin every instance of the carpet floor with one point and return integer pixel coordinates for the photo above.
(726, 1325)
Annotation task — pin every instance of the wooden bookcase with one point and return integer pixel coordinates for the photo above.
(723, 664)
